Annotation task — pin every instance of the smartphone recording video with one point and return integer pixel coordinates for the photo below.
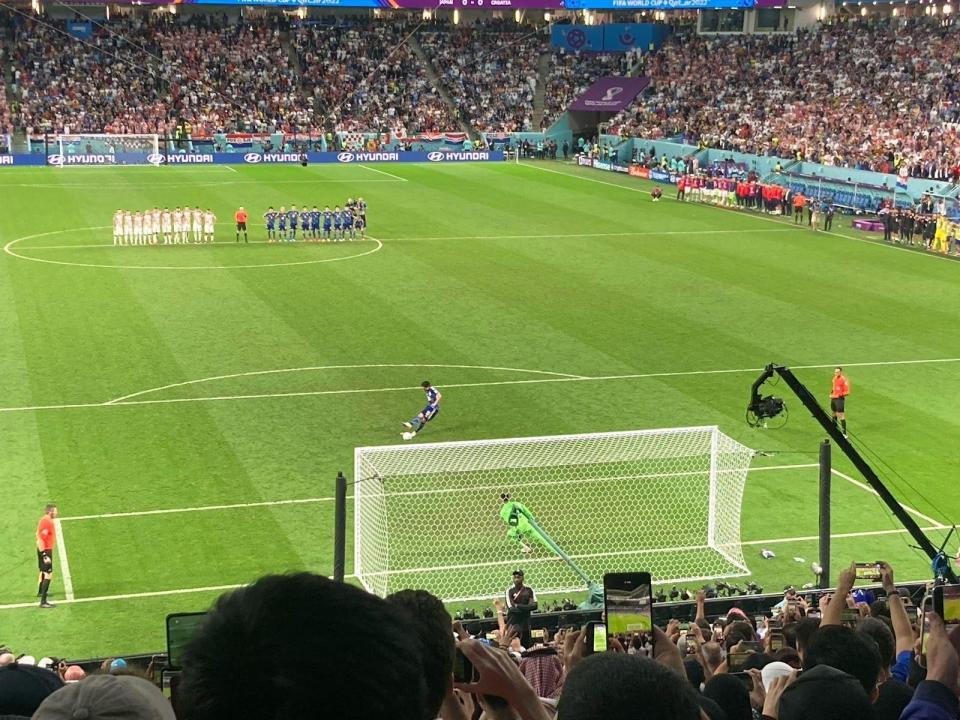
(867, 571)
(463, 670)
(628, 605)
(180, 630)
(946, 603)
(596, 637)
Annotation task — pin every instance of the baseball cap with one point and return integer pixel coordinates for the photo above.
(518, 572)
(118, 664)
(99, 697)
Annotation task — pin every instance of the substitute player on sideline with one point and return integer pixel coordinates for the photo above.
(838, 395)
(46, 539)
(427, 414)
(241, 217)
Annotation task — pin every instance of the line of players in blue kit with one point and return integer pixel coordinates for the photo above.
(317, 225)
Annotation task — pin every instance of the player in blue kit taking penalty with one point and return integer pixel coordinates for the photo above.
(427, 414)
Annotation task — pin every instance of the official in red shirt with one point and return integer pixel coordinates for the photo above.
(241, 217)
(46, 540)
(838, 394)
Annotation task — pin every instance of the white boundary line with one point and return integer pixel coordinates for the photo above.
(64, 565)
(213, 588)
(223, 588)
(359, 391)
(741, 214)
(268, 503)
(232, 169)
(423, 238)
(343, 367)
(384, 172)
(9, 251)
(863, 486)
(200, 508)
(271, 503)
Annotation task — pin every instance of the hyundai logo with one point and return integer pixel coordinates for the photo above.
(252, 158)
(435, 156)
(345, 157)
(55, 159)
(155, 158)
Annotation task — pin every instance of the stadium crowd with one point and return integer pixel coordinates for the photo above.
(490, 69)
(361, 75)
(876, 95)
(270, 649)
(881, 94)
(143, 76)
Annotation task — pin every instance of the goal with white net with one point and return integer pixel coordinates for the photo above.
(665, 501)
(118, 149)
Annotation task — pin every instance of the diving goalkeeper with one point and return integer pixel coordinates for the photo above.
(523, 528)
(521, 524)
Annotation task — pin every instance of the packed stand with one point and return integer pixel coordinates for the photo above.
(490, 70)
(360, 75)
(143, 76)
(572, 73)
(270, 650)
(874, 95)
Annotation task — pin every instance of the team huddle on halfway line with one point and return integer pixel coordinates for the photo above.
(320, 225)
(148, 227)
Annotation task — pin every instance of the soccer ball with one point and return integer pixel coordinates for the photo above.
(407, 435)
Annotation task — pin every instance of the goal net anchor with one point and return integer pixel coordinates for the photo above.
(666, 501)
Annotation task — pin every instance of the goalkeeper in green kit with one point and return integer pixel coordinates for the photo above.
(523, 528)
(522, 525)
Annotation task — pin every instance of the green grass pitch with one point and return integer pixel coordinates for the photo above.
(176, 378)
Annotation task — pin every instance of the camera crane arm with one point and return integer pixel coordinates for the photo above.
(938, 560)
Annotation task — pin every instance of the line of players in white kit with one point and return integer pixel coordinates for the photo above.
(167, 227)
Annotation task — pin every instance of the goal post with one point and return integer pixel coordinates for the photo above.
(123, 149)
(666, 501)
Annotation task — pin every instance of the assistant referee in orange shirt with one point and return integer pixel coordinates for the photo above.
(46, 539)
(838, 396)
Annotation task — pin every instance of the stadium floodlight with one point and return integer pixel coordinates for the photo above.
(432, 516)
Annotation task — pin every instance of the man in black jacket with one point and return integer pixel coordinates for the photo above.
(521, 602)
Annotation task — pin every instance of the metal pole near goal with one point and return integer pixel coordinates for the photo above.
(339, 527)
(825, 473)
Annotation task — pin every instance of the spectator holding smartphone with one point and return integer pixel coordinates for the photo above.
(936, 697)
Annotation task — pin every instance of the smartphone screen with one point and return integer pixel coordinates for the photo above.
(180, 629)
(736, 661)
(946, 603)
(850, 617)
(775, 641)
(867, 571)
(628, 605)
(537, 634)
(925, 606)
(598, 643)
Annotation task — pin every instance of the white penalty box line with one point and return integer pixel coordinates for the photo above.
(932, 525)
(123, 401)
